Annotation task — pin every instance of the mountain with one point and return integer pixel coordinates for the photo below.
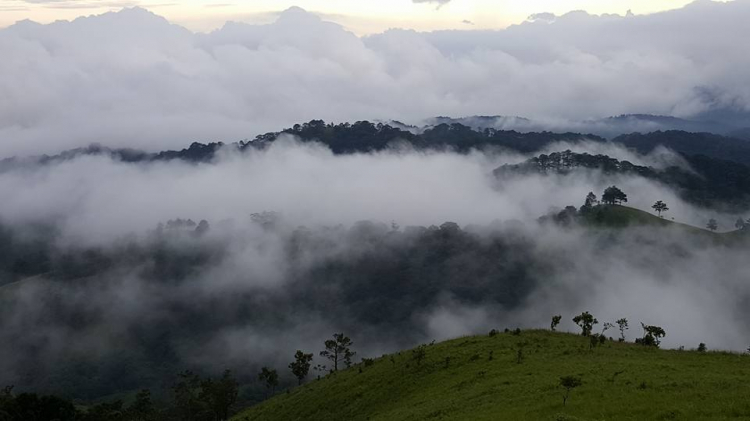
(516, 376)
(711, 145)
(609, 127)
(708, 182)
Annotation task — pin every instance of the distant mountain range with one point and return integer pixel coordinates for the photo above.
(721, 164)
(610, 127)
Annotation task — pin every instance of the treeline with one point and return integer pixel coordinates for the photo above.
(192, 398)
(708, 182)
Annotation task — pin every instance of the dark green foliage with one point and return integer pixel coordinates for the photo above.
(338, 350)
(270, 378)
(569, 383)
(593, 340)
(622, 324)
(712, 225)
(419, 353)
(301, 365)
(555, 321)
(32, 407)
(589, 203)
(702, 347)
(651, 335)
(586, 322)
(493, 333)
(220, 395)
(614, 196)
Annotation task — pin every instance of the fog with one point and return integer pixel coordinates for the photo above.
(244, 294)
(95, 198)
(132, 79)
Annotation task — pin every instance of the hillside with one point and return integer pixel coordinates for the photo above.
(623, 216)
(483, 380)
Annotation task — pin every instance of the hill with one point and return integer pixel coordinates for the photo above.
(707, 183)
(480, 378)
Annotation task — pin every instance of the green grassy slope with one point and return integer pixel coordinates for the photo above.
(622, 217)
(652, 384)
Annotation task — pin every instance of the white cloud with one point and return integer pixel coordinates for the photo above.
(132, 79)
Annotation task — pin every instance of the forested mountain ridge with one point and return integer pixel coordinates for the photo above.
(364, 136)
(707, 182)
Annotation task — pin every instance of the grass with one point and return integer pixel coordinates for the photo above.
(651, 384)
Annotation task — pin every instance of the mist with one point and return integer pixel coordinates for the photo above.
(357, 243)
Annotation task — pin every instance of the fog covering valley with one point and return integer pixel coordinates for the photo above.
(120, 274)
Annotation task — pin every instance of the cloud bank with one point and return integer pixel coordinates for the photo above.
(132, 79)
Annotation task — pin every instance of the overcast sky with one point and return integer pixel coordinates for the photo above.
(359, 16)
(132, 78)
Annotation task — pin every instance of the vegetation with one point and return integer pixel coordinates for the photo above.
(338, 350)
(621, 381)
(660, 207)
(301, 365)
(586, 322)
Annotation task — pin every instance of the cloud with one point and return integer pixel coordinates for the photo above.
(440, 3)
(132, 79)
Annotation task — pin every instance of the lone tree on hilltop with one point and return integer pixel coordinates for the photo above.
(614, 196)
(555, 322)
(569, 383)
(712, 224)
(740, 224)
(301, 365)
(586, 322)
(338, 349)
(660, 207)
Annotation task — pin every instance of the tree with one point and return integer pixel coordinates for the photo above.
(586, 322)
(301, 365)
(142, 409)
(555, 322)
(590, 202)
(613, 196)
(270, 377)
(712, 224)
(660, 207)
(187, 400)
(622, 324)
(569, 383)
(652, 335)
(740, 224)
(220, 395)
(338, 349)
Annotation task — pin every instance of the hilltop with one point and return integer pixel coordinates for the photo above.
(481, 378)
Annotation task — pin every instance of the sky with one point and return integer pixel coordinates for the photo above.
(359, 16)
(132, 78)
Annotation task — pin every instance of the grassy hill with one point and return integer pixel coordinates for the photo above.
(480, 378)
(616, 216)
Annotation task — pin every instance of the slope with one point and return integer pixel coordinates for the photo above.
(482, 378)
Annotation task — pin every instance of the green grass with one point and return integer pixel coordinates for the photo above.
(652, 384)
